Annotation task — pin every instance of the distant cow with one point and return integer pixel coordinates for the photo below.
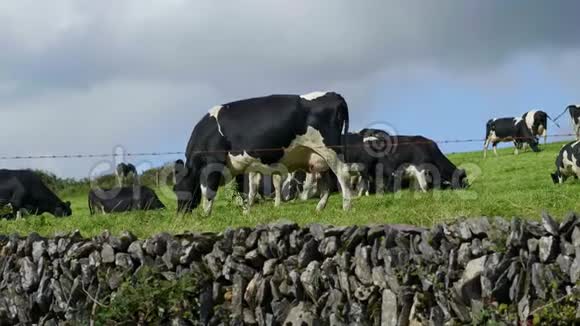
(272, 135)
(574, 111)
(567, 162)
(126, 172)
(537, 123)
(24, 190)
(123, 200)
(508, 130)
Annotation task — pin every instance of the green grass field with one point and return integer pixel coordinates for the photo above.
(504, 186)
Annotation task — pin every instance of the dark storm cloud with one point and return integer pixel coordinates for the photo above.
(301, 42)
(170, 60)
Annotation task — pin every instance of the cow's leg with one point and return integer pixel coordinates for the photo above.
(324, 189)
(421, 178)
(494, 148)
(277, 181)
(307, 186)
(485, 146)
(341, 170)
(360, 186)
(516, 151)
(209, 188)
(254, 179)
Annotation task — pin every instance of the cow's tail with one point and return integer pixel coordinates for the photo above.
(561, 114)
(553, 120)
(488, 128)
(345, 118)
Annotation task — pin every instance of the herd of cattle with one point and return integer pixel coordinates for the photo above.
(290, 147)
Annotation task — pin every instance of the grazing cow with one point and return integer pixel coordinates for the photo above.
(24, 190)
(506, 130)
(305, 185)
(272, 135)
(420, 158)
(123, 200)
(390, 161)
(537, 123)
(124, 172)
(567, 162)
(574, 111)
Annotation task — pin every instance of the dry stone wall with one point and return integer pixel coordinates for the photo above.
(284, 274)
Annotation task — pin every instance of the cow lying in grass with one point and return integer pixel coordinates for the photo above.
(123, 200)
(567, 163)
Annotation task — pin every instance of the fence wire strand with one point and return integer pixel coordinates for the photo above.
(389, 141)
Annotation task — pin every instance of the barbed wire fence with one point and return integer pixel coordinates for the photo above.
(5, 157)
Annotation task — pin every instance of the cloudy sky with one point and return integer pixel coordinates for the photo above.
(85, 76)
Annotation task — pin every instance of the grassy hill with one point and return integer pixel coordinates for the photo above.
(507, 185)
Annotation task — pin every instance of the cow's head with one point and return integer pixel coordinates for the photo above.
(460, 180)
(556, 177)
(63, 209)
(525, 136)
(533, 142)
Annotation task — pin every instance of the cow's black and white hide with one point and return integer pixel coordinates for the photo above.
(25, 191)
(275, 134)
(537, 123)
(574, 111)
(567, 162)
(419, 159)
(508, 130)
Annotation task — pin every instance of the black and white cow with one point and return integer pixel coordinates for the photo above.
(537, 122)
(24, 190)
(508, 130)
(125, 172)
(359, 157)
(123, 199)
(567, 162)
(386, 161)
(272, 135)
(574, 111)
(419, 158)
